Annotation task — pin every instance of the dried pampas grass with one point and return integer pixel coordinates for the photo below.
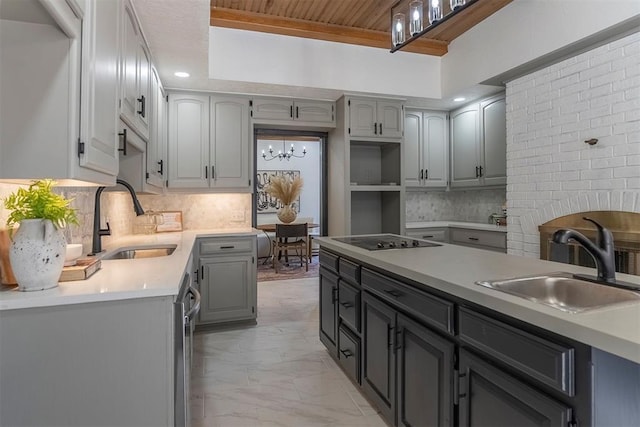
(284, 189)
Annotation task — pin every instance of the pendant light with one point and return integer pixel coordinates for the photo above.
(397, 34)
(415, 17)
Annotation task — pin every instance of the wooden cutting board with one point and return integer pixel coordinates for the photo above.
(84, 268)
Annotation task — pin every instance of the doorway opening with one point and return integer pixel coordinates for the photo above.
(290, 153)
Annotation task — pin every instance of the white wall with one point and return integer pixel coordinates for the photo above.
(551, 172)
(267, 58)
(523, 31)
(309, 167)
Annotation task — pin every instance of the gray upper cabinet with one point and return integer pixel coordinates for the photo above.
(230, 143)
(375, 118)
(157, 146)
(188, 141)
(494, 138)
(478, 144)
(209, 142)
(58, 106)
(426, 150)
(135, 72)
(293, 110)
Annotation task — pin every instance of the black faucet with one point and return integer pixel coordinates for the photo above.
(99, 232)
(602, 252)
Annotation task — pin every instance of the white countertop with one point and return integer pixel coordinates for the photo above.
(454, 269)
(456, 224)
(126, 278)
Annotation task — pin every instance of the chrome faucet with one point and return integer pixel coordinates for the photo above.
(99, 232)
(602, 251)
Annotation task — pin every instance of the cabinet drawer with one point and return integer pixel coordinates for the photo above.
(349, 271)
(328, 260)
(432, 310)
(534, 356)
(435, 234)
(349, 353)
(492, 239)
(226, 245)
(349, 305)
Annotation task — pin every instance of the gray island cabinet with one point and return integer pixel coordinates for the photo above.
(427, 357)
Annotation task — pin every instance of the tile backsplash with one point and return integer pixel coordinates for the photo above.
(467, 206)
(221, 211)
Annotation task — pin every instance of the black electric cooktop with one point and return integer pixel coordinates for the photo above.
(384, 241)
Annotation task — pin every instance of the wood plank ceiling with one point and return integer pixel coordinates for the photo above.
(361, 22)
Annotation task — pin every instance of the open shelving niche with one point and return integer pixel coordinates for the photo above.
(375, 183)
(366, 182)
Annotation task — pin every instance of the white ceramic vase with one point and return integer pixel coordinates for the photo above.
(37, 254)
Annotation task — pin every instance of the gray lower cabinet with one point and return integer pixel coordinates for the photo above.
(379, 355)
(227, 279)
(407, 369)
(490, 397)
(328, 309)
(93, 364)
(425, 363)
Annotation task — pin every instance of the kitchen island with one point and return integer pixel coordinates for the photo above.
(412, 322)
(100, 351)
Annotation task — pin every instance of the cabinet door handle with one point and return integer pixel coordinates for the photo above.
(477, 173)
(398, 345)
(390, 335)
(421, 173)
(380, 124)
(124, 142)
(297, 111)
(346, 353)
(426, 174)
(346, 304)
(480, 170)
(206, 172)
(291, 111)
(375, 128)
(142, 102)
(161, 163)
(202, 272)
(393, 293)
(213, 172)
(475, 239)
(334, 295)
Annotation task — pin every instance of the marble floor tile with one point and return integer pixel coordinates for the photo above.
(276, 373)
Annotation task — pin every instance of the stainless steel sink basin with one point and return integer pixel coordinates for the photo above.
(564, 292)
(134, 252)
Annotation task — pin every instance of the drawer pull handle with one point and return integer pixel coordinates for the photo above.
(475, 239)
(428, 237)
(227, 247)
(346, 353)
(393, 293)
(346, 304)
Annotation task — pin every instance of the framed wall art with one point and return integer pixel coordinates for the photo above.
(266, 203)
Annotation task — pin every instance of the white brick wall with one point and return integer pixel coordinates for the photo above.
(551, 172)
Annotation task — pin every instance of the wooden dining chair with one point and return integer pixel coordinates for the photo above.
(291, 237)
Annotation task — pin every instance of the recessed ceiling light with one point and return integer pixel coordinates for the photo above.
(181, 74)
(459, 99)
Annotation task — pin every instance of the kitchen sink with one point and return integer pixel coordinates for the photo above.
(135, 252)
(564, 292)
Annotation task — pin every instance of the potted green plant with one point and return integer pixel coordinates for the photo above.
(38, 246)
